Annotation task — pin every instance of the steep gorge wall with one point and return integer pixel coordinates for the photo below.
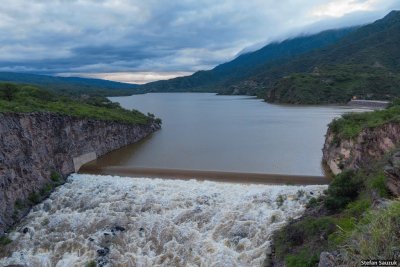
(370, 145)
(34, 145)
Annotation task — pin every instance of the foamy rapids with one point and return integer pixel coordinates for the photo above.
(120, 221)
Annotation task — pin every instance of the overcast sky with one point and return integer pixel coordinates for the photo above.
(145, 40)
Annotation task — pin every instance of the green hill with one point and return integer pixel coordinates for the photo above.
(27, 98)
(365, 63)
(245, 65)
(336, 84)
(71, 85)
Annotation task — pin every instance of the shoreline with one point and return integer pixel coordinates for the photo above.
(217, 176)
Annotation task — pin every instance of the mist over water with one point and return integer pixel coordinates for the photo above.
(227, 133)
(119, 221)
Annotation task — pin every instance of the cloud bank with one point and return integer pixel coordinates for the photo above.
(99, 38)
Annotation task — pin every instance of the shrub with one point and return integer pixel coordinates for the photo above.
(7, 91)
(91, 264)
(344, 188)
(55, 177)
(313, 202)
(306, 232)
(19, 204)
(5, 241)
(344, 227)
(304, 258)
(34, 198)
(46, 190)
(378, 183)
(357, 208)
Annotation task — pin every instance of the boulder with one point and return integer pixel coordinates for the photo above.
(326, 259)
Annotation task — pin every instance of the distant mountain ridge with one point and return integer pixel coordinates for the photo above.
(329, 67)
(246, 64)
(364, 64)
(70, 85)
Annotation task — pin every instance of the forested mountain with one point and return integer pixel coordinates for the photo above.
(247, 64)
(70, 85)
(365, 64)
(329, 67)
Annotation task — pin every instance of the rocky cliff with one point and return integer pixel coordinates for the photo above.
(38, 149)
(367, 147)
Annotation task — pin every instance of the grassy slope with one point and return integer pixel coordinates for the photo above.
(23, 98)
(347, 220)
(350, 125)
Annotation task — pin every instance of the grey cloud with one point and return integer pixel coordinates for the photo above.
(65, 36)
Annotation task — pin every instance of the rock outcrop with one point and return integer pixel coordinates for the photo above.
(367, 147)
(327, 259)
(34, 145)
(392, 172)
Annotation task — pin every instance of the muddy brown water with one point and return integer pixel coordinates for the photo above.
(223, 137)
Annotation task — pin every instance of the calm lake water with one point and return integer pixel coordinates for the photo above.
(227, 133)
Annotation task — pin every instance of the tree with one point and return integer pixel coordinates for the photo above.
(7, 91)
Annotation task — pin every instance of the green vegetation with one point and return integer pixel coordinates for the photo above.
(298, 244)
(46, 189)
(337, 84)
(350, 125)
(343, 189)
(361, 64)
(4, 241)
(19, 204)
(224, 78)
(376, 236)
(302, 259)
(71, 86)
(25, 98)
(356, 218)
(344, 220)
(55, 177)
(34, 198)
(329, 67)
(378, 183)
(358, 207)
(91, 264)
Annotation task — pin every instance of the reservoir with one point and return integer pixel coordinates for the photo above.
(203, 131)
(126, 221)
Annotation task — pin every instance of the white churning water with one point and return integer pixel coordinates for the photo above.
(120, 221)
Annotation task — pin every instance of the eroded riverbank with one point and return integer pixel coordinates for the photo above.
(123, 221)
